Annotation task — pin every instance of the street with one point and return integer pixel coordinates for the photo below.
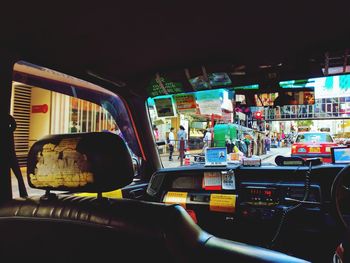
(270, 158)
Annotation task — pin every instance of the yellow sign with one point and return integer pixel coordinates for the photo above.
(234, 156)
(222, 203)
(116, 194)
(176, 198)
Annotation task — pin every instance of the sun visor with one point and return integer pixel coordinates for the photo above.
(84, 162)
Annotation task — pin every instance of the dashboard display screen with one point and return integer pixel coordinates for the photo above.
(261, 195)
(341, 155)
(261, 192)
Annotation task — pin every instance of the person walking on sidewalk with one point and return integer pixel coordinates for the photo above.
(171, 142)
(207, 140)
(182, 135)
(267, 143)
(156, 133)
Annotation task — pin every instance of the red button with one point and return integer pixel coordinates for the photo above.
(192, 215)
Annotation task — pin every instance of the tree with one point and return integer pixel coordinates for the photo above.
(305, 123)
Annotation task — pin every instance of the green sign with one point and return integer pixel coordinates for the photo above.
(155, 89)
(247, 87)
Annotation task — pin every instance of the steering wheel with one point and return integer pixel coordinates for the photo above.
(341, 195)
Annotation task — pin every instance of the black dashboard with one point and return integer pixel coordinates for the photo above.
(256, 205)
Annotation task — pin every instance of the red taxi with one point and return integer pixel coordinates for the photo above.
(313, 144)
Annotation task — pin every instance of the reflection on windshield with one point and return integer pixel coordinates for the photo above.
(314, 137)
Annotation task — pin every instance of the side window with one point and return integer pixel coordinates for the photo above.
(300, 138)
(41, 112)
(329, 138)
(46, 102)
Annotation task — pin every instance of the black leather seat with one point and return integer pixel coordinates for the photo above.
(78, 229)
(68, 228)
(86, 229)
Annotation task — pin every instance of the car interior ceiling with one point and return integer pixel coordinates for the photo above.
(122, 49)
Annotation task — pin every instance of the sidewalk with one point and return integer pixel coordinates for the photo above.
(265, 156)
(176, 153)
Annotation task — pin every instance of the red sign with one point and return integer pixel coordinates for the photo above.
(186, 102)
(40, 108)
(258, 115)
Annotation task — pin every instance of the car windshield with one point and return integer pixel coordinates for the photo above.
(187, 117)
(314, 137)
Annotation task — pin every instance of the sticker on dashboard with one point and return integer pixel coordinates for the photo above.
(212, 181)
(176, 198)
(228, 180)
(222, 203)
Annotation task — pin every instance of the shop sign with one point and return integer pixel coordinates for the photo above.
(209, 102)
(241, 116)
(219, 79)
(168, 87)
(199, 83)
(185, 103)
(164, 107)
(227, 116)
(210, 107)
(40, 108)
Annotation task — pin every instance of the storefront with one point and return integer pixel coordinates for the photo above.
(39, 112)
(208, 110)
(194, 111)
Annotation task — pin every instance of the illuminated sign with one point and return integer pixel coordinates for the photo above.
(40, 108)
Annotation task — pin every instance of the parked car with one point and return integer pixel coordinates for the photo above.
(313, 144)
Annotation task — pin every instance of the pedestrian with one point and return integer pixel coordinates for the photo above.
(267, 142)
(171, 142)
(156, 133)
(247, 143)
(74, 128)
(236, 150)
(182, 135)
(207, 140)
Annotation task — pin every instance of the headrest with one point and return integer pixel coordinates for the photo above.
(80, 162)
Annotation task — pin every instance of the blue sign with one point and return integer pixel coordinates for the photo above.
(216, 156)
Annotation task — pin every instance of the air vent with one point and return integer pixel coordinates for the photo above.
(21, 113)
(299, 192)
(155, 184)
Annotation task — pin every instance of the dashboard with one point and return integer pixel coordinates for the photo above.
(255, 204)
